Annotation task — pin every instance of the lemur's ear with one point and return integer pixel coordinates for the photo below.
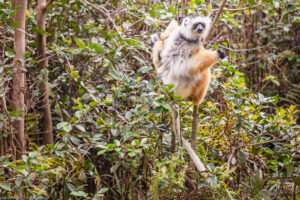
(180, 18)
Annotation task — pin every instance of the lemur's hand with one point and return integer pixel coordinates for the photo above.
(155, 37)
(221, 54)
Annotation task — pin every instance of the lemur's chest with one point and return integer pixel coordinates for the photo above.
(179, 50)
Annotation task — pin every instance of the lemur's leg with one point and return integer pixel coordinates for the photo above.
(201, 87)
(158, 46)
(206, 58)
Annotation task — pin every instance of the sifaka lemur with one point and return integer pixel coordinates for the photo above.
(180, 59)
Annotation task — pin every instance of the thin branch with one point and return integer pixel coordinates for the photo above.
(215, 20)
(106, 13)
(213, 40)
(48, 3)
(183, 5)
(253, 49)
(238, 9)
(260, 143)
(10, 122)
(251, 144)
(194, 126)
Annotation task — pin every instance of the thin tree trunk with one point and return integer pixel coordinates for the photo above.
(173, 140)
(183, 5)
(18, 76)
(194, 127)
(43, 65)
(11, 147)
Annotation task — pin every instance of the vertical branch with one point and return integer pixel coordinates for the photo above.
(214, 21)
(182, 9)
(18, 76)
(173, 140)
(11, 134)
(195, 112)
(194, 126)
(43, 65)
(2, 132)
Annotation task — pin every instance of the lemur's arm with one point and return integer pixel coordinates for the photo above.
(204, 59)
(171, 27)
(159, 43)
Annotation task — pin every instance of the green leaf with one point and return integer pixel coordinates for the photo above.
(296, 180)
(103, 190)
(101, 152)
(96, 47)
(251, 2)
(80, 43)
(131, 154)
(257, 182)
(115, 75)
(265, 194)
(81, 128)
(14, 25)
(106, 102)
(67, 128)
(274, 99)
(61, 125)
(39, 31)
(10, 53)
(93, 103)
(5, 187)
(79, 194)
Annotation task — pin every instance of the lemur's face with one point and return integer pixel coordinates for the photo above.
(197, 26)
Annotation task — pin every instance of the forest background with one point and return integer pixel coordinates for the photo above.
(82, 115)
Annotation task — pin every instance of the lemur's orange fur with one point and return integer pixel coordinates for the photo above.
(203, 60)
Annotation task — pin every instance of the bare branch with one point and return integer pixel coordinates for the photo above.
(256, 48)
(106, 13)
(194, 127)
(251, 144)
(238, 9)
(215, 20)
(48, 3)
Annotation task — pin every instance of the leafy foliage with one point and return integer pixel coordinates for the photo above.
(111, 113)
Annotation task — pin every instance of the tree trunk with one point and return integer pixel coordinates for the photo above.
(182, 9)
(18, 77)
(43, 65)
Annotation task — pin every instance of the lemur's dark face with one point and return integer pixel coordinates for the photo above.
(198, 27)
(195, 26)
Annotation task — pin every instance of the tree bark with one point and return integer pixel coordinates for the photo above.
(182, 9)
(43, 65)
(194, 127)
(18, 77)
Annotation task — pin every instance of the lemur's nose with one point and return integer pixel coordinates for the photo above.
(199, 28)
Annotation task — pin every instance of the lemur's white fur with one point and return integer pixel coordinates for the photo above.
(177, 55)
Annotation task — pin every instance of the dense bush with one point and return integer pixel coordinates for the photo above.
(111, 113)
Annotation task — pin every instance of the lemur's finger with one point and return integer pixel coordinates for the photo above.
(155, 37)
(221, 54)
